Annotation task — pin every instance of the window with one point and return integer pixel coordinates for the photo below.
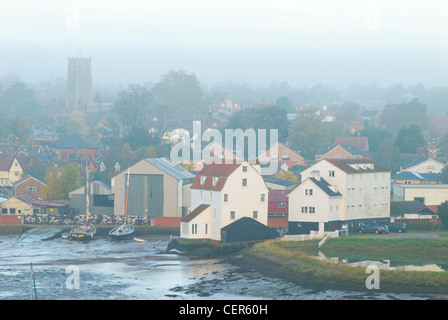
(244, 182)
(282, 204)
(215, 180)
(263, 196)
(255, 214)
(4, 210)
(35, 211)
(31, 189)
(331, 173)
(304, 209)
(308, 192)
(244, 168)
(232, 215)
(226, 197)
(194, 228)
(12, 211)
(203, 179)
(206, 228)
(312, 209)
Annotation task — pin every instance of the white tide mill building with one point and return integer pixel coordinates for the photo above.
(339, 193)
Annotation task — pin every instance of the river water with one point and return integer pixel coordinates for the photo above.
(102, 269)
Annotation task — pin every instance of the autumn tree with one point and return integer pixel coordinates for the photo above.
(60, 184)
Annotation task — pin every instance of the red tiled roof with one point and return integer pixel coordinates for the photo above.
(32, 201)
(6, 161)
(359, 142)
(220, 171)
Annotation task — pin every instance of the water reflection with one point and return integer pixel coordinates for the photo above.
(386, 264)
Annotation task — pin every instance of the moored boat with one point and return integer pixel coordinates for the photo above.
(125, 231)
(88, 230)
(83, 232)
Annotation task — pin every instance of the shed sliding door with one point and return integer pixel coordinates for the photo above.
(145, 195)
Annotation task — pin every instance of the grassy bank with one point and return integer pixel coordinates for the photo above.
(296, 261)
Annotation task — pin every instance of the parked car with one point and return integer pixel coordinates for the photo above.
(397, 227)
(373, 228)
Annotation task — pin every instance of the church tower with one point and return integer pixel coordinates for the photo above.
(79, 83)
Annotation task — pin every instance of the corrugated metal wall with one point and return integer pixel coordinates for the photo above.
(145, 195)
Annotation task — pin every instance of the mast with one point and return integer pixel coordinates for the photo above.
(88, 179)
(127, 194)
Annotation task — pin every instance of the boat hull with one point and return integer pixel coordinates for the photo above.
(121, 233)
(82, 233)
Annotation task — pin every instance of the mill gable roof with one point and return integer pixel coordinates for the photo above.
(348, 165)
(214, 170)
(196, 212)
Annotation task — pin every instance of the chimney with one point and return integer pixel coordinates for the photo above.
(315, 174)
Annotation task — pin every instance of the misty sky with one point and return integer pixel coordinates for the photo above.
(259, 41)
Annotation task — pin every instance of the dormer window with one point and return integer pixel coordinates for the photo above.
(215, 180)
(203, 179)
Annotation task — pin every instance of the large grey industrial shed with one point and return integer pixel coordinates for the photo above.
(157, 188)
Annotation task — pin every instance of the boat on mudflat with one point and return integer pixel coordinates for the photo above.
(125, 231)
(83, 232)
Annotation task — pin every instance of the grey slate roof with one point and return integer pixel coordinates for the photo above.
(325, 187)
(411, 175)
(171, 168)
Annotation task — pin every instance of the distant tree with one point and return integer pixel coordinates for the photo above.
(442, 211)
(376, 137)
(126, 151)
(443, 145)
(348, 111)
(388, 155)
(394, 116)
(74, 124)
(178, 93)
(308, 134)
(139, 137)
(132, 106)
(409, 137)
(284, 103)
(18, 101)
(262, 118)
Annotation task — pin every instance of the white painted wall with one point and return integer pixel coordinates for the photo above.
(365, 195)
(242, 200)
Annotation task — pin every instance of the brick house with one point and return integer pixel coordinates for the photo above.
(29, 185)
(338, 152)
(282, 154)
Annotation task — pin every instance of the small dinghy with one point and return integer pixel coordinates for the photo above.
(139, 240)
